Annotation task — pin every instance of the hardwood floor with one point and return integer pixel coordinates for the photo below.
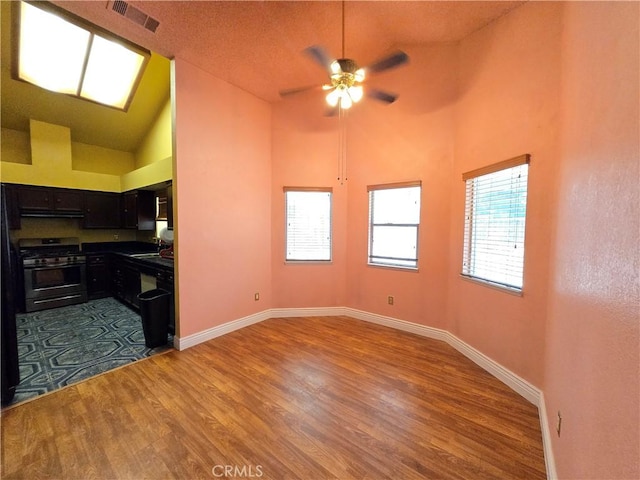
(299, 398)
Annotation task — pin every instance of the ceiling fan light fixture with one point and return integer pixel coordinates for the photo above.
(355, 93)
(333, 97)
(345, 100)
(345, 96)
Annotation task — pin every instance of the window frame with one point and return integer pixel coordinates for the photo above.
(294, 261)
(371, 189)
(468, 247)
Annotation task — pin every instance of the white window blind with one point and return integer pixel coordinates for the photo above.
(394, 221)
(495, 217)
(308, 224)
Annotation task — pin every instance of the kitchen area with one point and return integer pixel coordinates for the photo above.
(87, 225)
(77, 295)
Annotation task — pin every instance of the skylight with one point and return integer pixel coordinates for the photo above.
(67, 57)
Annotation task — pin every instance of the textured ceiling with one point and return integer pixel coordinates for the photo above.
(257, 45)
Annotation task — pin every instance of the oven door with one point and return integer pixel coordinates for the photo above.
(54, 286)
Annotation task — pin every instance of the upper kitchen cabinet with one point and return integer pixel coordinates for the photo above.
(139, 210)
(102, 210)
(13, 210)
(47, 201)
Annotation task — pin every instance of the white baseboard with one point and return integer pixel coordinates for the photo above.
(182, 343)
(546, 440)
(307, 312)
(506, 376)
(410, 327)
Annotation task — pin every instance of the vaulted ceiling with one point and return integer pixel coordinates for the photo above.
(256, 46)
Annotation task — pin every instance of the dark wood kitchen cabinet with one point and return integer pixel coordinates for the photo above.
(97, 275)
(139, 210)
(34, 199)
(49, 200)
(70, 201)
(101, 210)
(13, 209)
(125, 281)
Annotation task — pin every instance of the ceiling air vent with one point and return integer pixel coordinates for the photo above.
(134, 14)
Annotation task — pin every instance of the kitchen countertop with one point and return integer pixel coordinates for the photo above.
(131, 251)
(166, 263)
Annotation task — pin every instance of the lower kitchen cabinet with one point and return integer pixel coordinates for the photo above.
(164, 280)
(121, 278)
(97, 276)
(125, 281)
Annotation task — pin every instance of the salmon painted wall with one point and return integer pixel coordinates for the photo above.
(411, 139)
(592, 366)
(305, 152)
(508, 106)
(223, 187)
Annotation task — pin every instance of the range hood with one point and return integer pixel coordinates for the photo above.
(52, 214)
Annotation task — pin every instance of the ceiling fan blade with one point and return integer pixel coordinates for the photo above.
(319, 55)
(382, 96)
(394, 60)
(293, 91)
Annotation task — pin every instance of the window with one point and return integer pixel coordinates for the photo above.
(495, 214)
(394, 218)
(68, 56)
(161, 213)
(308, 224)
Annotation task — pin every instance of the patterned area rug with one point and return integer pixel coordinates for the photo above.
(61, 346)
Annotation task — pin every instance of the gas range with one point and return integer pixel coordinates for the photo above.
(50, 251)
(54, 271)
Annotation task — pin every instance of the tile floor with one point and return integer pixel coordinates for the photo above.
(64, 345)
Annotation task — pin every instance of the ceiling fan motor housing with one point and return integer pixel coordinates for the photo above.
(347, 65)
(345, 73)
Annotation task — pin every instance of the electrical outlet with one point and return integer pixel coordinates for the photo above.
(390, 299)
(559, 426)
(116, 236)
(256, 296)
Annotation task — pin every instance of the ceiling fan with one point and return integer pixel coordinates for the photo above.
(346, 78)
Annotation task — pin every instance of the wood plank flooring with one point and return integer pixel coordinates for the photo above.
(294, 398)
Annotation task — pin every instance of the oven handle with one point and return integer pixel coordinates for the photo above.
(52, 267)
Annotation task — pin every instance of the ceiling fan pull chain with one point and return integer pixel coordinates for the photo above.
(342, 145)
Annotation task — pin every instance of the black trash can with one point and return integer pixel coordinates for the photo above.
(154, 310)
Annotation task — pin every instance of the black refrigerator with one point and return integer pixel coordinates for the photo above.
(8, 333)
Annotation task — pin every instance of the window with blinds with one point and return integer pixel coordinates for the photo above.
(308, 224)
(495, 217)
(394, 221)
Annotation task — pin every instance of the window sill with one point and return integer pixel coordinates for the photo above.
(495, 286)
(308, 262)
(392, 267)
